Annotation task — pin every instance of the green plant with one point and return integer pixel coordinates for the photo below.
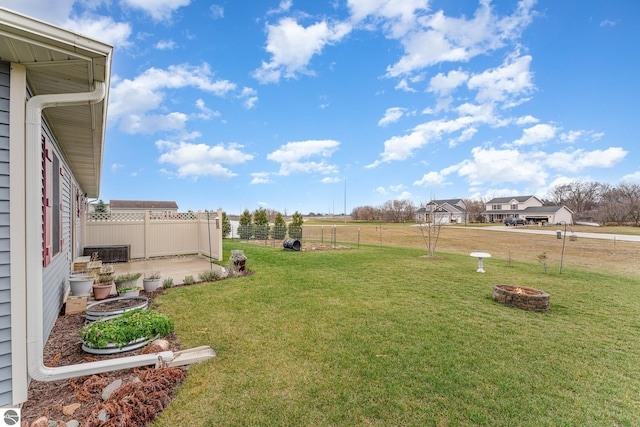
(279, 229)
(128, 327)
(226, 225)
(245, 228)
(209, 276)
(167, 283)
(189, 280)
(237, 255)
(127, 277)
(153, 275)
(104, 278)
(295, 228)
(128, 288)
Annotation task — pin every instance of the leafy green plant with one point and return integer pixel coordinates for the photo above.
(128, 288)
(128, 327)
(245, 229)
(279, 229)
(189, 280)
(209, 276)
(127, 277)
(295, 228)
(237, 255)
(167, 283)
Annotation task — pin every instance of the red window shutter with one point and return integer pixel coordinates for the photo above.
(47, 206)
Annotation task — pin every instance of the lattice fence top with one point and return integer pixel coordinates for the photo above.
(153, 216)
(114, 217)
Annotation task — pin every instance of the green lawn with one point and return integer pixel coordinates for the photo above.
(382, 336)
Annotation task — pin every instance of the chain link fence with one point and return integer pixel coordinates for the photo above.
(329, 236)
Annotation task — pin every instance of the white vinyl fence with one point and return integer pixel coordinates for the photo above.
(155, 235)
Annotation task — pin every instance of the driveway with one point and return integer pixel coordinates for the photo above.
(532, 229)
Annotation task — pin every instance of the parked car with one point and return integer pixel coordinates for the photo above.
(514, 221)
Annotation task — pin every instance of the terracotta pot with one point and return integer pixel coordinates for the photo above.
(102, 290)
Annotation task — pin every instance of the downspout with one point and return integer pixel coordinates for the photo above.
(33, 249)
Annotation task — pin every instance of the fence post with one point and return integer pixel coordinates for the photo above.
(358, 237)
(147, 234)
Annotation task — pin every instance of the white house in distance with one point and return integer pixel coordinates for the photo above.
(443, 212)
(528, 207)
(53, 106)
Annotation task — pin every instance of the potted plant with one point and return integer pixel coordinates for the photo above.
(81, 284)
(127, 280)
(128, 291)
(133, 329)
(238, 258)
(151, 281)
(102, 286)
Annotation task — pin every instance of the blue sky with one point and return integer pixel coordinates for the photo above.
(293, 105)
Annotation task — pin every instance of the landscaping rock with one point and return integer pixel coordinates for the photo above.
(106, 392)
(70, 409)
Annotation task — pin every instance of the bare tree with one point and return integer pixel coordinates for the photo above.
(474, 209)
(579, 196)
(430, 232)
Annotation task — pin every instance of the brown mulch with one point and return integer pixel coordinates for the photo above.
(144, 394)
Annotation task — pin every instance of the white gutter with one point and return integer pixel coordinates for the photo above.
(33, 248)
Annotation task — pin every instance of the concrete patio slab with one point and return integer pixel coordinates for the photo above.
(177, 267)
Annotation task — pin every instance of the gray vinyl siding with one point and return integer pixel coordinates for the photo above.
(56, 274)
(5, 277)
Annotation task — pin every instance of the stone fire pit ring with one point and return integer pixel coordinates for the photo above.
(522, 297)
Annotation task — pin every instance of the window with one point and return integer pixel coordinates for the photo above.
(496, 207)
(51, 203)
(514, 207)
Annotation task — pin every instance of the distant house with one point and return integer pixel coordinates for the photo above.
(53, 104)
(528, 207)
(135, 206)
(443, 212)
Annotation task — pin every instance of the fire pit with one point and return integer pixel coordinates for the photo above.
(521, 297)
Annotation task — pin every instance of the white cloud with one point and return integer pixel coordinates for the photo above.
(381, 190)
(261, 178)
(436, 38)
(205, 112)
(431, 179)
(249, 97)
(291, 156)
(392, 115)
(402, 147)
(166, 45)
(397, 16)
(526, 120)
(292, 46)
(573, 161)
(159, 10)
(132, 101)
(537, 134)
(283, 7)
(505, 83)
(217, 11)
(330, 180)
(101, 28)
(195, 160)
(504, 166)
(632, 177)
(443, 85)
(397, 188)
(608, 23)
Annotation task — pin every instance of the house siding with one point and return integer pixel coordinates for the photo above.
(56, 274)
(5, 277)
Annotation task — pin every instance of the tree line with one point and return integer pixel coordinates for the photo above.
(589, 201)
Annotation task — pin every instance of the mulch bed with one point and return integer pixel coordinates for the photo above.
(144, 394)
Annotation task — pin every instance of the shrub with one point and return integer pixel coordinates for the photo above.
(167, 283)
(189, 280)
(209, 276)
